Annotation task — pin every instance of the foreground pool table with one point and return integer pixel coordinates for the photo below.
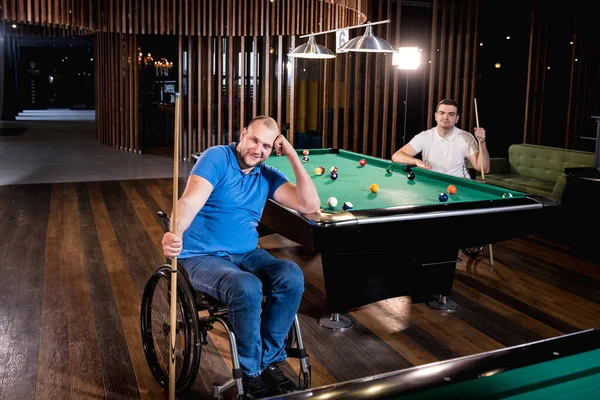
(401, 240)
(564, 367)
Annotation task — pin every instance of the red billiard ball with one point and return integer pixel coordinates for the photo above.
(451, 189)
(305, 152)
(362, 162)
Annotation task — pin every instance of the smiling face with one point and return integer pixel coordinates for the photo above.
(446, 116)
(256, 143)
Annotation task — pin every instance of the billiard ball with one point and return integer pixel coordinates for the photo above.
(305, 158)
(443, 197)
(332, 202)
(507, 195)
(362, 162)
(451, 189)
(374, 187)
(333, 169)
(410, 176)
(318, 171)
(333, 175)
(389, 169)
(347, 206)
(305, 152)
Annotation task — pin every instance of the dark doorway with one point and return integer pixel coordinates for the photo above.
(55, 72)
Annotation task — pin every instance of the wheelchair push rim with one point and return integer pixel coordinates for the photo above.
(155, 329)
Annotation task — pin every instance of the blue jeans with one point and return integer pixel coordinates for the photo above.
(240, 280)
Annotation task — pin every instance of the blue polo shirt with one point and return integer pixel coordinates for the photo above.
(227, 222)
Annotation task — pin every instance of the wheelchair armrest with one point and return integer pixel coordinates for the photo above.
(166, 220)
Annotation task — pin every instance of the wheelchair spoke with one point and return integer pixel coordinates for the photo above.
(156, 331)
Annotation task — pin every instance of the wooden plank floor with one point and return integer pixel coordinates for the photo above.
(75, 258)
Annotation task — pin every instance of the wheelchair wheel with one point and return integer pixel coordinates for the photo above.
(473, 251)
(156, 330)
(290, 339)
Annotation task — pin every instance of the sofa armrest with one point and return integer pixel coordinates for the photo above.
(559, 187)
(499, 165)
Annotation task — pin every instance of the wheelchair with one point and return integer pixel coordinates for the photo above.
(192, 332)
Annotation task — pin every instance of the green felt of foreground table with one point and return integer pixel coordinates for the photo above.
(574, 377)
(395, 189)
(563, 367)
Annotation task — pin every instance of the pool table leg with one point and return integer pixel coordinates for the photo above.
(336, 322)
(443, 304)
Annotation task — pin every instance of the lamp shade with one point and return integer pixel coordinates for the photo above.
(367, 43)
(311, 49)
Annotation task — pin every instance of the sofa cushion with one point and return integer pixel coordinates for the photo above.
(545, 163)
(522, 183)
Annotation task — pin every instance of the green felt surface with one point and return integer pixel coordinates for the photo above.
(573, 377)
(395, 189)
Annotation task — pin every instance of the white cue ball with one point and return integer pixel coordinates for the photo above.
(332, 202)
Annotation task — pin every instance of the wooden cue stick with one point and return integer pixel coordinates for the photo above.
(174, 259)
(479, 141)
(482, 174)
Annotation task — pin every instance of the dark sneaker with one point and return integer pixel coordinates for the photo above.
(277, 382)
(255, 387)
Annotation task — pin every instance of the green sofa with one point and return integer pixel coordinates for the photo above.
(536, 169)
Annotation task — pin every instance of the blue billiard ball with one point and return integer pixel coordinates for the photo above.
(443, 197)
(347, 206)
(333, 175)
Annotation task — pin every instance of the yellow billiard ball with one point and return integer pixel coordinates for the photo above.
(374, 187)
(318, 171)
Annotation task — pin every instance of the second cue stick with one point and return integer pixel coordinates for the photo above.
(482, 173)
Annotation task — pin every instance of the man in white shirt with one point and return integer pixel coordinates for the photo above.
(445, 148)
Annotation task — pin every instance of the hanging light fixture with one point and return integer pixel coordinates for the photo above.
(311, 49)
(368, 43)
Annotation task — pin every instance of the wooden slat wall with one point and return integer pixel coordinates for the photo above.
(174, 17)
(373, 92)
(366, 77)
(584, 78)
(453, 56)
(117, 99)
(117, 104)
(363, 87)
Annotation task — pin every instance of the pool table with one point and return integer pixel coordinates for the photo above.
(563, 367)
(401, 240)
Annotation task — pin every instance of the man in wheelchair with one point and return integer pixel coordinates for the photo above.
(217, 246)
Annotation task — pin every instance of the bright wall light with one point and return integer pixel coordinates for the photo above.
(407, 58)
